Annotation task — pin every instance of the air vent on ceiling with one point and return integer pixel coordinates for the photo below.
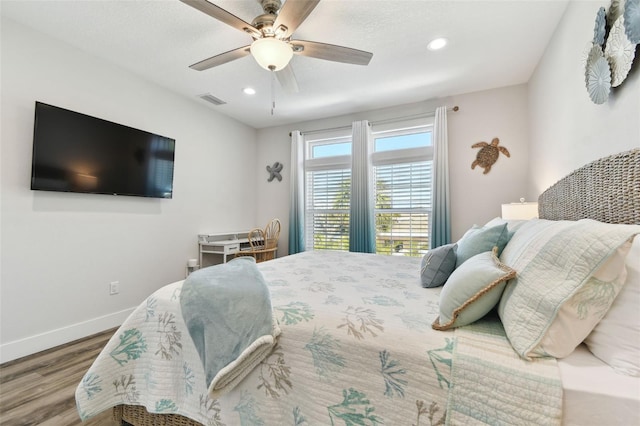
(212, 99)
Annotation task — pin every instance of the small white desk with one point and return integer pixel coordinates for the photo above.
(221, 244)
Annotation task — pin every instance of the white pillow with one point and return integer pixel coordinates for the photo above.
(616, 339)
(568, 274)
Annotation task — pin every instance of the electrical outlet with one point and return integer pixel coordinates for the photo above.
(114, 287)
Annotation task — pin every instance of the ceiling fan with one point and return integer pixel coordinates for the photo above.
(272, 46)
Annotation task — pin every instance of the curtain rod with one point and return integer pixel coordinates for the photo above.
(389, 120)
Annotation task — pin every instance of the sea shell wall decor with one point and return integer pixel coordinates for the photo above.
(599, 29)
(598, 76)
(620, 52)
(632, 20)
(615, 36)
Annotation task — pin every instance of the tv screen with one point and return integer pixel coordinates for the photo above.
(74, 152)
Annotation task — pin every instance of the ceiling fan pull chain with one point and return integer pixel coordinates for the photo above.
(273, 93)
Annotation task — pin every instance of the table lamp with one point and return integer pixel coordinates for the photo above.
(520, 211)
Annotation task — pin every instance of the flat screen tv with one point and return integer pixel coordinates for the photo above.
(74, 152)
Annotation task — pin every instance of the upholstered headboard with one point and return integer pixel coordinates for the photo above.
(607, 190)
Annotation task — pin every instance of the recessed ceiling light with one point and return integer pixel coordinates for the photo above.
(437, 44)
(249, 91)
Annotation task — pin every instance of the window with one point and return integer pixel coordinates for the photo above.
(401, 161)
(403, 197)
(328, 193)
(328, 209)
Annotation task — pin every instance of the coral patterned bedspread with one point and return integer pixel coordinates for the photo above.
(356, 348)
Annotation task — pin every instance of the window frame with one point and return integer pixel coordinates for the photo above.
(336, 163)
(400, 157)
(376, 159)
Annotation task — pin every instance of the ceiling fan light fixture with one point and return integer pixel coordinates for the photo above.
(437, 44)
(271, 54)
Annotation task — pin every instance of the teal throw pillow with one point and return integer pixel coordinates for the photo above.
(472, 290)
(437, 265)
(480, 239)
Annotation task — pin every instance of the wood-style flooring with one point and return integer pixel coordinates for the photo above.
(40, 389)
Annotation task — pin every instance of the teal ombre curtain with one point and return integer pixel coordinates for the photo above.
(296, 191)
(441, 205)
(362, 228)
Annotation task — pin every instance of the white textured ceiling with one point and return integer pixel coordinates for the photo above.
(491, 44)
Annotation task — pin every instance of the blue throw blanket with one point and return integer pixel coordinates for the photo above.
(227, 310)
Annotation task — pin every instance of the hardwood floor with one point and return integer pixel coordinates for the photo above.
(40, 389)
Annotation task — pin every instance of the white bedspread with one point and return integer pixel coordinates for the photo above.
(356, 347)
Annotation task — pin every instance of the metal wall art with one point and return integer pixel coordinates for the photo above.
(598, 76)
(615, 36)
(632, 20)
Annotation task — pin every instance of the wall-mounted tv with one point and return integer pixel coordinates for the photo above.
(74, 152)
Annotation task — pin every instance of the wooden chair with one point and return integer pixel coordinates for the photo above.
(271, 235)
(257, 247)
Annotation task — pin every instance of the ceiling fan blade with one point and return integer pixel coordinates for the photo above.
(292, 14)
(331, 52)
(287, 79)
(222, 58)
(222, 15)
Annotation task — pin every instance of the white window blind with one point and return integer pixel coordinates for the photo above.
(327, 209)
(403, 204)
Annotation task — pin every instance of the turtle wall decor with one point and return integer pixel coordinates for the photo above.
(488, 154)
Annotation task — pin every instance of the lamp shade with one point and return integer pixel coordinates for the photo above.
(271, 54)
(519, 211)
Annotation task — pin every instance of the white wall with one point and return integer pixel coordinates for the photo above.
(59, 250)
(476, 198)
(567, 129)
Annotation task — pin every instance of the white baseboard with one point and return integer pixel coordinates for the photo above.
(30, 345)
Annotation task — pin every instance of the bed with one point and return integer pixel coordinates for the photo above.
(362, 342)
